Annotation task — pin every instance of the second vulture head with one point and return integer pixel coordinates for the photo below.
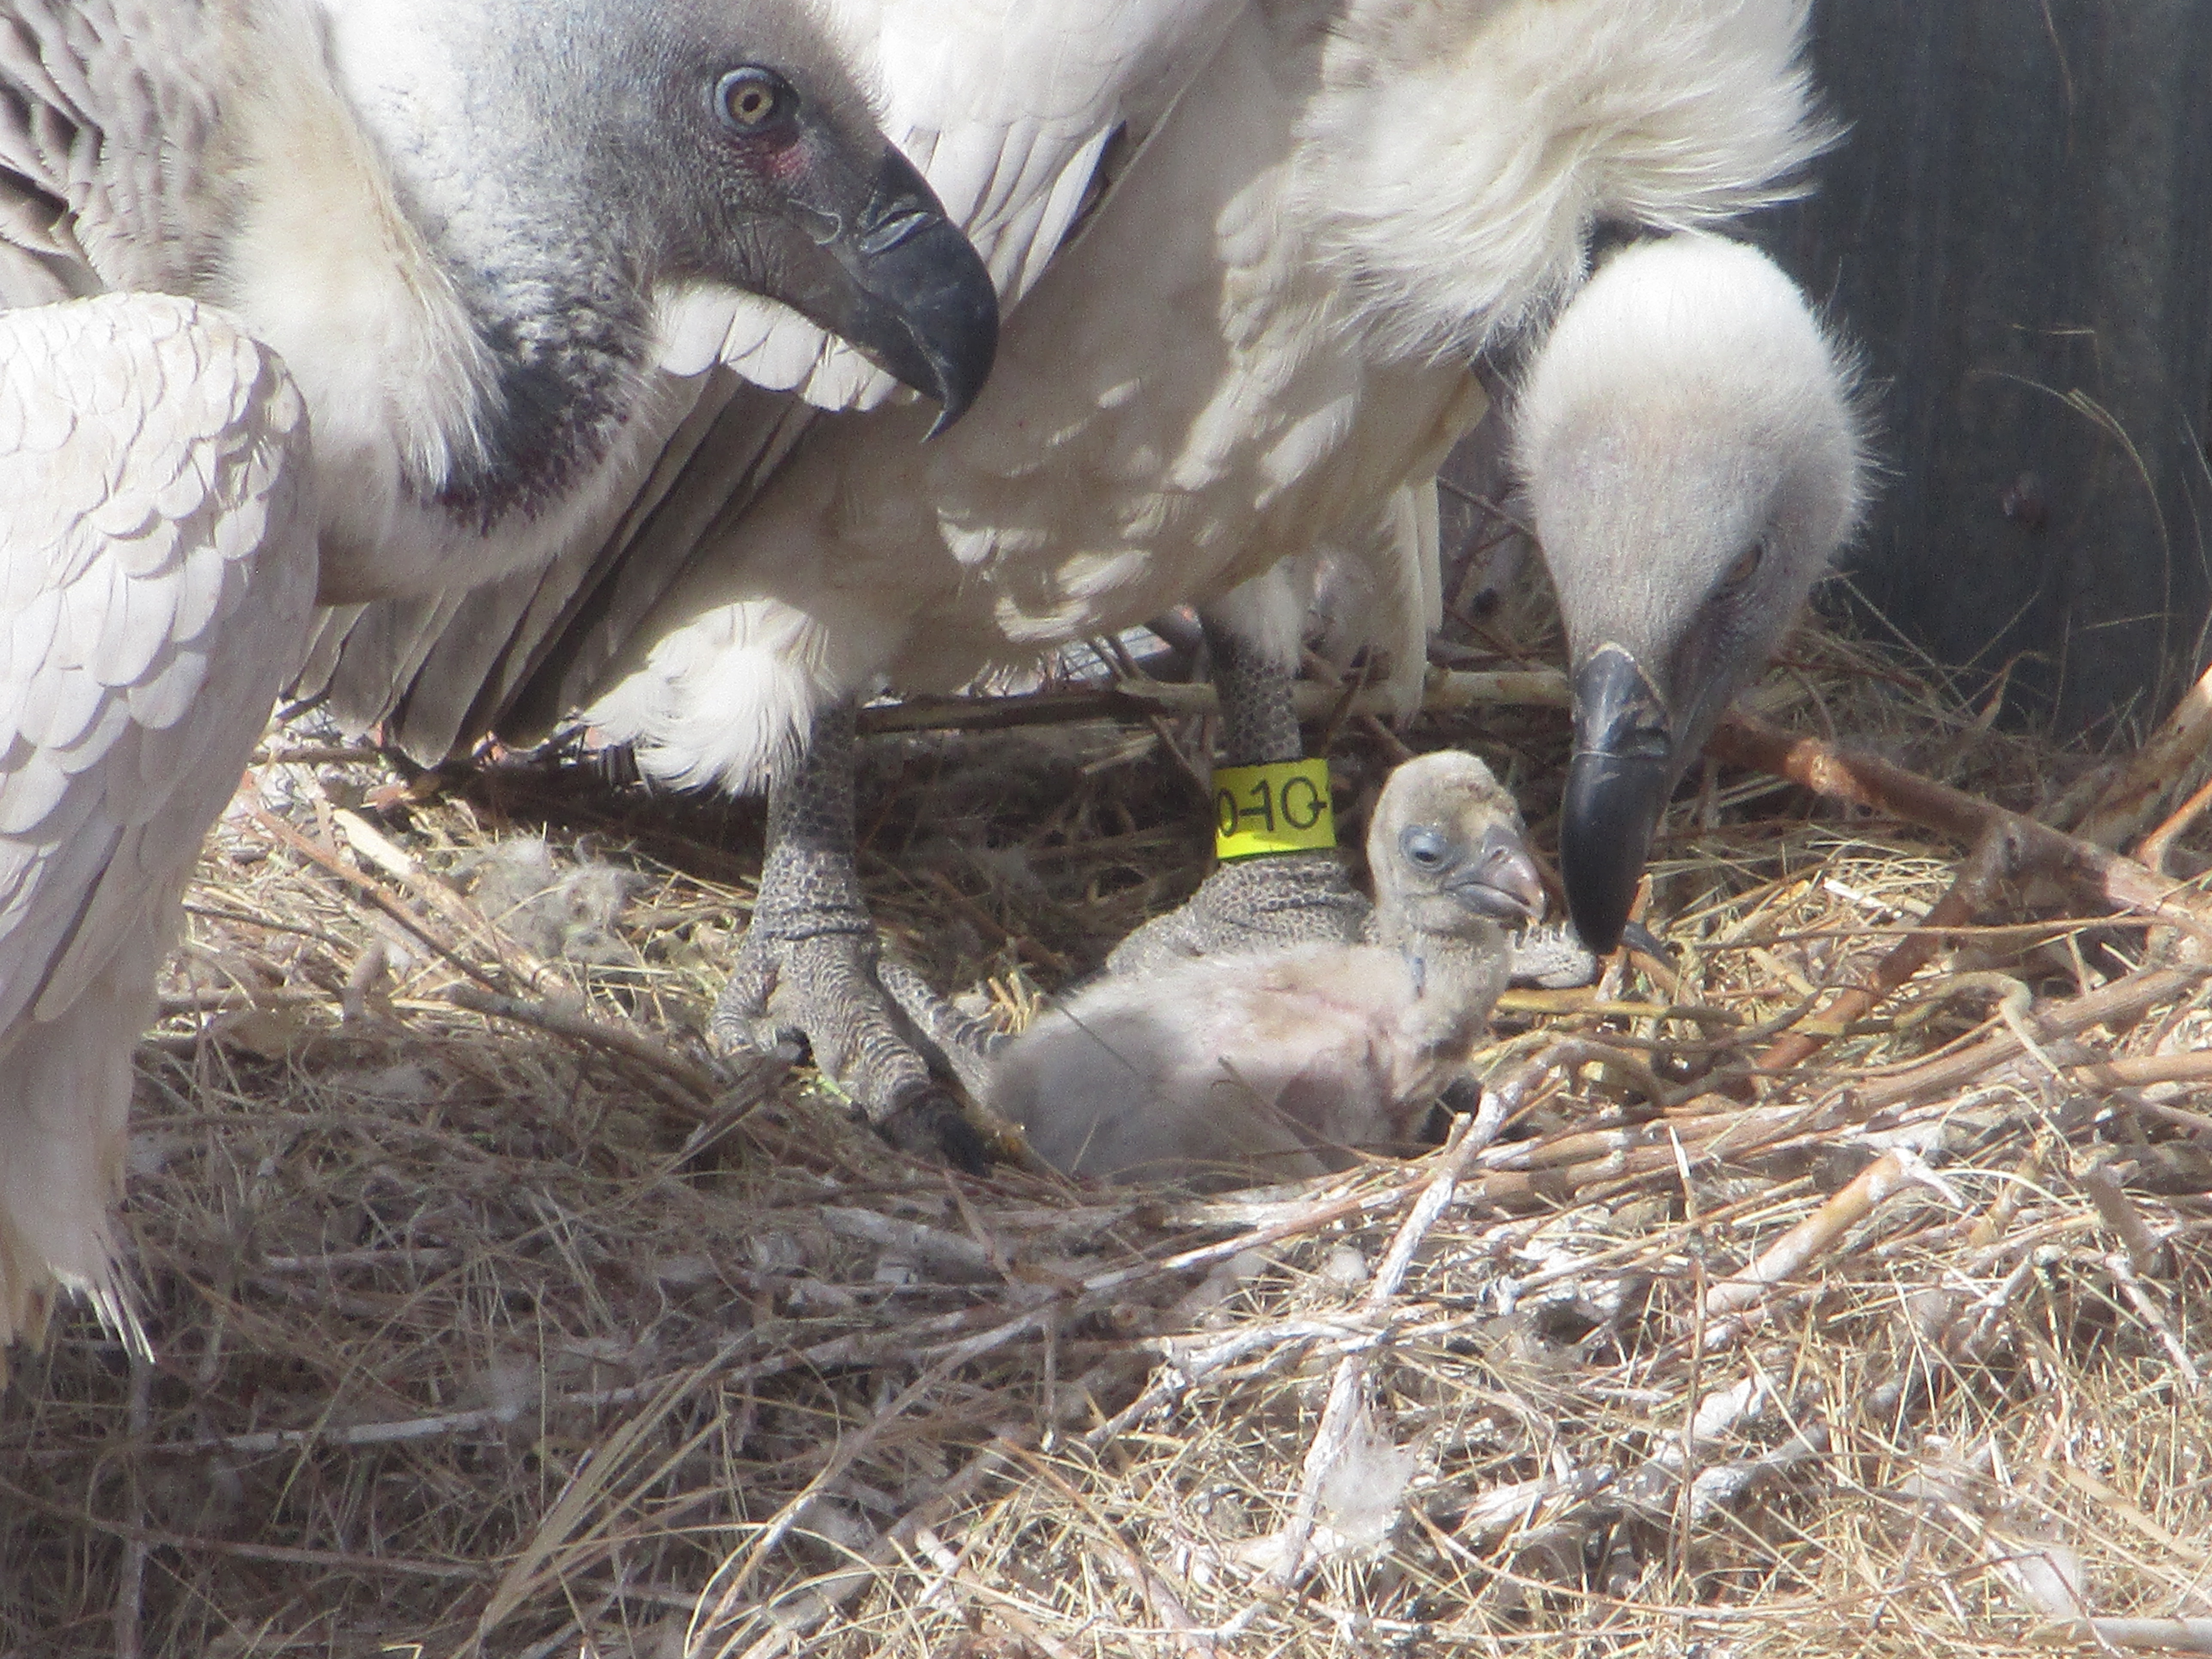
(600, 153)
(1692, 451)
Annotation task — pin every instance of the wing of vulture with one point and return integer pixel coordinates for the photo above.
(480, 251)
(156, 508)
(1253, 356)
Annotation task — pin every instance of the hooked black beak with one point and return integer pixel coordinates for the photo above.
(1618, 780)
(908, 288)
(1501, 880)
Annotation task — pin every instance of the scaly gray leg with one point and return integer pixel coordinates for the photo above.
(1289, 898)
(1281, 898)
(807, 970)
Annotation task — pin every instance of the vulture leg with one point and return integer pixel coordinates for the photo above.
(1278, 898)
(807, 971)
(160, 570)
(1294, 898)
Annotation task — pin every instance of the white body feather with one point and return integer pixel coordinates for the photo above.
(1244, 360)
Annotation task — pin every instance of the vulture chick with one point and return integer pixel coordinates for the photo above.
(1253, 356)
(1273, 1065)
(452, 240)
(1693, 457)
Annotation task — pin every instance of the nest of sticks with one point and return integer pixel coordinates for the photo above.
(1841, 1285)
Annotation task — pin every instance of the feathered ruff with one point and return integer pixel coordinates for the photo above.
(727, 700)
(1459, 207)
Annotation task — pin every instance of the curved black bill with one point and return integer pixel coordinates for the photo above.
(1501, 880)
(1622, 771)
(921, 300)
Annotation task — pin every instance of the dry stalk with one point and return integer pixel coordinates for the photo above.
(1867, 781)
(1340, 1414)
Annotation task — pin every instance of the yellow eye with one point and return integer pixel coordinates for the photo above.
(751, 98)
(1746, 565)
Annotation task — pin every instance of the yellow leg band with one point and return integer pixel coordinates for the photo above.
(1280, 808)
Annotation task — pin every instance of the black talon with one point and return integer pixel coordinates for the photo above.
(933, 1125)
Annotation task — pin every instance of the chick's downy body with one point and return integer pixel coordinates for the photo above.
(1278, 1064)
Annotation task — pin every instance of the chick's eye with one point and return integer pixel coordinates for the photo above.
(1746, 565)
(1423, 846)
(752, 99)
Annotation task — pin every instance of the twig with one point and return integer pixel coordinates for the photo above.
(2140, 1297)
(1136, 701)
(1864, 781)
(2161, 1635)
(1187, 1363)
(2172, 755)
(1729, 1304)
(2154, 847)
(2140, 1070)
(381, 850)
(632, 1045)
(327, 859)
(2119, 1000)
(2118, 1213)
(1341, 1413)
(1969, 894)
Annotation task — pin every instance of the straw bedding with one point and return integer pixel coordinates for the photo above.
(492, 1312)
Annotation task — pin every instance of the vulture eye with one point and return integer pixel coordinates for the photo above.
(1423, 845)
(1746, 565)
(751, 100)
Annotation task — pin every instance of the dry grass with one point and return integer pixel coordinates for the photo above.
(478, 1335)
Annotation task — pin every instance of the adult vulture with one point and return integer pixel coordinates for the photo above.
(1252, 356)
(302, 299)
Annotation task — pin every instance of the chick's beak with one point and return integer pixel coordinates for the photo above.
(1501, 880)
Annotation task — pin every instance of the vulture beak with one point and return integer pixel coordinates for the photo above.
(901, 280)
(1501, 880)
(1618, 780)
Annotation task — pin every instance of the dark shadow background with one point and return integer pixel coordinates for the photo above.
(2016, 231)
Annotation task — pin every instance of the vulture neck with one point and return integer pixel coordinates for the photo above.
(1457, 977)
(1456, 154)
(469, 359)
(528, 229)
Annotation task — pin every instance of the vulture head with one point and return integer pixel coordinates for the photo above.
(1446, 852)
(572, 165)
(1692, 456)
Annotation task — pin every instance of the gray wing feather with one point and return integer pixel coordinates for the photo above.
(160, 570)
(106, 108)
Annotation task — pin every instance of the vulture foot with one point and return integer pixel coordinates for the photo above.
(810, 973)
(822, 993)
(1285, 898)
